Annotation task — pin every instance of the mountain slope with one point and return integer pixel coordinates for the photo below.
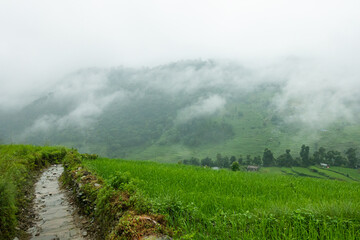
(176, 111)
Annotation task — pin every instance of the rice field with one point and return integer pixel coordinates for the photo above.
(349, 172)
(306, 172)
(207, 204)
(331, 174)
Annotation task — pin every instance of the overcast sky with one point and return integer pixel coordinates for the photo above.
(42, 40)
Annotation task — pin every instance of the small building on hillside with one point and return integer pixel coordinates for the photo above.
(324, 165)
(252, 168)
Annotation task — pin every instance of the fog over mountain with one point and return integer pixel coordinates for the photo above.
(132, 77)
(305, 94)
(185, 106)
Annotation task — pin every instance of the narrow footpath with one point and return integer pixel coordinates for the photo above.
(55, 220)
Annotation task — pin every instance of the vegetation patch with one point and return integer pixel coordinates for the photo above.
(19, 166)
(202, 203)
(146, 200)
(115, 205)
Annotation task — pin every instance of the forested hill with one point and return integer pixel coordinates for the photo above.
(175, 111)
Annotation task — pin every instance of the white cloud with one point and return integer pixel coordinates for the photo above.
(204, 107)
(318, 96)
(82, 116)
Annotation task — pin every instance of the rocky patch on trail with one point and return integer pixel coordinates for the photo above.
(54, 213)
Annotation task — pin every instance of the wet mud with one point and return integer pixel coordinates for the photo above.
(55, 218)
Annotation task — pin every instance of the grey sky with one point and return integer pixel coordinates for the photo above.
(41, 40)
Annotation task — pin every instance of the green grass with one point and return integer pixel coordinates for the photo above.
(331, 174)
(352, 173)
(307, 172)
(208, 204)
(272, 170)
(18, 165)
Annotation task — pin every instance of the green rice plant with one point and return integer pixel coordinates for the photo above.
(351, 173)
(331, 174)
(306, 172)
(209, 204)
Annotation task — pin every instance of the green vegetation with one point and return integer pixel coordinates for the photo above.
(128, 199)
(116, 207)
(351, 173)
(19, 165)
(320, 157)
(330, 174)
(209, 204)
(306, 172)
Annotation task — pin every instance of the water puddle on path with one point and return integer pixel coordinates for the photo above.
(54, 219)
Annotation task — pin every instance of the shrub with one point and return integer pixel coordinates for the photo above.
(119, 180)
(235, 166)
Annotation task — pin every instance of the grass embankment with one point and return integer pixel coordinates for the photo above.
(208, 204)
(19, 165)
(116, 207)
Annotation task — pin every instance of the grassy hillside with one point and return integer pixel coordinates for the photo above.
(272, 204)
(255, 128)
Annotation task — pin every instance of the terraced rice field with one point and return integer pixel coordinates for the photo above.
(208, 204)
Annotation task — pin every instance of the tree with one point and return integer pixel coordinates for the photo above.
(241, 160)
(320, 156)
(257, 161)
(232, 159)
(235, 166)
(248, 160)
(207, 162)
(305, 155)
(268, 158)
(186, 162)
(219, 160)
(194, 161)
(286, 160)
(351, 156)
(340, 160)
(298, 162)
(335, 158)
(226, 162)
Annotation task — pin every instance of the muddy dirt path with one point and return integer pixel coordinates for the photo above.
(54, 219)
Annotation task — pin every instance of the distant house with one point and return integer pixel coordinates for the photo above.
(252, 168)
(324, 165)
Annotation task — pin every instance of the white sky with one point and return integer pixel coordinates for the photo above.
(42, 40)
